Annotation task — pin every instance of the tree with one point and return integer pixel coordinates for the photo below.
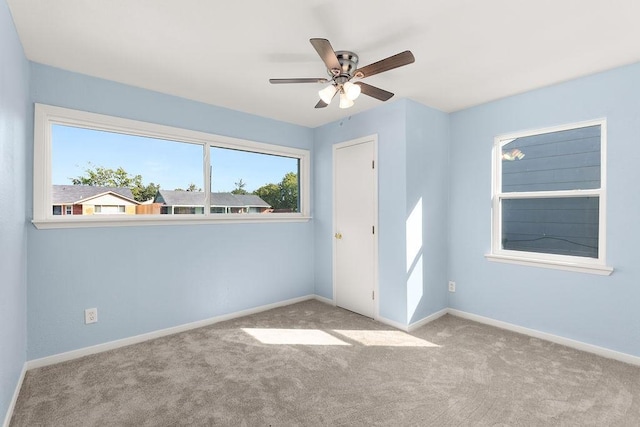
(191, 187)
(270, 193)
(289, 191)
(99, 176)
(240, 187)
(282, 196)
(143, 193)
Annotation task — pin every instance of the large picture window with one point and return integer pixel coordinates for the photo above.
(91, 169)
(549, 197)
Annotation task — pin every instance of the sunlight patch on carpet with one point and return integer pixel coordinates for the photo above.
(385, 338)
(293, 336)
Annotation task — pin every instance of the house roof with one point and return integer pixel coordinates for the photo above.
(71, 194)
(250, 200)
(179, 198)
(225, 199)
(196, 198)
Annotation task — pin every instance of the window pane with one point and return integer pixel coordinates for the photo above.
(563, 226)
(111, 173)
(564, 160)
(249, 182)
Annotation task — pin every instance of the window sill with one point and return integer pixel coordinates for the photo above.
(598, 269)
(155, 220)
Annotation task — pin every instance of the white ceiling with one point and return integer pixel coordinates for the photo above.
(223, 52)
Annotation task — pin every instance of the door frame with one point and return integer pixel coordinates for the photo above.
(373, 139)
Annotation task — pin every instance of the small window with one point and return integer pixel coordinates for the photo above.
(106, 210)
(129, 171)
(187, 210)
(549, 197)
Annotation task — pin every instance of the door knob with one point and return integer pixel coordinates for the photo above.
(338, 235)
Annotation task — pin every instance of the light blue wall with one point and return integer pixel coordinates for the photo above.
(388, 122)
(598, 310)
(15, 121)
(427, 196)
(412, 168)
(148, 278)
(143, 279)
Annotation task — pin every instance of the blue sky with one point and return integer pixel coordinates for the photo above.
(170, 164)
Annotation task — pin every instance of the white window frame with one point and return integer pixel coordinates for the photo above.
(47, 115)
(562, 262)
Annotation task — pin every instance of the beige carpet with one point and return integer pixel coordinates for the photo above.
(311, 364)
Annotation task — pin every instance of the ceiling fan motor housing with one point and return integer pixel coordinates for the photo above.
(348, 63)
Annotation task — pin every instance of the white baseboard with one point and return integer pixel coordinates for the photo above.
(75, 354)
(415, 325)
(14, 399)
(393, 323)
(325, 300)
(578, 345)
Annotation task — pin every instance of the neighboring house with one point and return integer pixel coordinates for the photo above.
(192, 202)
(92, 200)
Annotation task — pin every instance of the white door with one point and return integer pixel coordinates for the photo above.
(355, 215)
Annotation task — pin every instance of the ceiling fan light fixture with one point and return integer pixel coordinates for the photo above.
(327, 93)
(352, 91)
(345, 102)
(342, 66)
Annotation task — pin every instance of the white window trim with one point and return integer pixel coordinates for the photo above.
(561, 262)
(47, 115)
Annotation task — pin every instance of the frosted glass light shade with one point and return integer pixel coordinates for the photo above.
(345, 102)
(351, 90)
(327, 93)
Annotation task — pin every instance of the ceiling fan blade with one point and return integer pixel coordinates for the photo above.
(374, 92)
(326, 52)
(395, 61)
(321, 104)
(301, 80)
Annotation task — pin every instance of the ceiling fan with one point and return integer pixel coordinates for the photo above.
(342, 67)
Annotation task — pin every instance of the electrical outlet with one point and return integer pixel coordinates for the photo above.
(90, 315)
(452, 286)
